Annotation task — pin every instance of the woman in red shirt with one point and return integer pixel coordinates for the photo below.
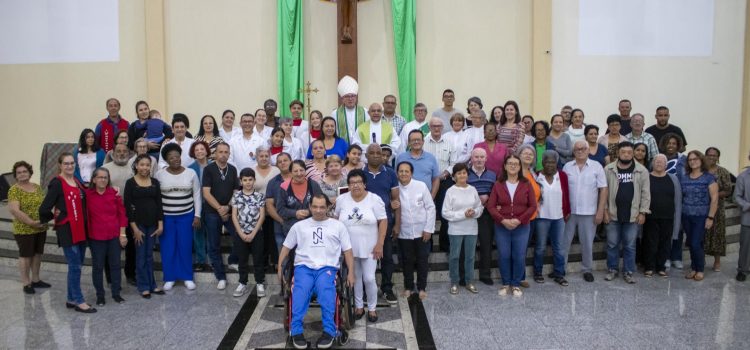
(511, 204)
(107, 223)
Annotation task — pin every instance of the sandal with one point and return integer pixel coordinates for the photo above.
(649, 273)
(663, 274)
(358, 315)
(561, 281)
(690, 275)
(717, 267)
(698, 276)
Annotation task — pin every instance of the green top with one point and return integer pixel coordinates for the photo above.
(29, 203)
(539, 151)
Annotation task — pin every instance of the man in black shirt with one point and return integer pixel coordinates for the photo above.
(628, 203)
(662, 127)
(219, 184)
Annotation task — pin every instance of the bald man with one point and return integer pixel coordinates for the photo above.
(482, 179)
(376, 131)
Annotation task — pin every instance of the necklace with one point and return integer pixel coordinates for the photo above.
(224, 173)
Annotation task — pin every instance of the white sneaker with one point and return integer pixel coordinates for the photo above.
(168, 285)
(667, 264)
(504, 290)
(261, 289)
(677, 264)
(240, 291)
(221, 285)
(233, 267)
(190, 285)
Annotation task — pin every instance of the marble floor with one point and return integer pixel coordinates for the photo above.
(655, 313)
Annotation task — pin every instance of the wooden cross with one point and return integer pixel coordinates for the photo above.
(346, 38)
(307, 90)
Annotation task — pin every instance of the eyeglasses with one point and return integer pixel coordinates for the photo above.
(358, 183)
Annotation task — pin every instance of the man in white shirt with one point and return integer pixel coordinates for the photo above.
(587, 186)
(348, 115)
(300, 126)
(447, 111)
(419, 123)
(376, 131)
(180, 129)
(243, 148)
(445, 154)
(319, 241)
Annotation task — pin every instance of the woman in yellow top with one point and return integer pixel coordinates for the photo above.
(24, 199)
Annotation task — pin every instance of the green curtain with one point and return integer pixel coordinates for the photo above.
(405, 42)
(291, 54)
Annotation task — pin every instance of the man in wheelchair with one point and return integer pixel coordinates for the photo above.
(319, 241)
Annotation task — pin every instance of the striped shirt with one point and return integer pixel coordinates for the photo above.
(443, 151)
(180, 193)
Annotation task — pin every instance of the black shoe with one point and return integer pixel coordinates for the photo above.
(462, 283)
(539, 278)
(359, 316)
(552, 275)
(146, 296)
(371, 318)
(198, 268)
(158, 292)
(299, 341)
(325, 341)
(90, 310)
(488, 281)
(132, 282)
(70, 305)
(29, 289)
(741, 277)
(100, 301)
(390, 297)
(118, 299)
(40, 284)
(588, 277)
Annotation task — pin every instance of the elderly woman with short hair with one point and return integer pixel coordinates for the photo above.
(24, 199)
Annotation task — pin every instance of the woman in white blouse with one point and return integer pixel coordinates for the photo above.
(458, 137)
(461, 208)
(363, 213)
(181, 202)
(417, 226)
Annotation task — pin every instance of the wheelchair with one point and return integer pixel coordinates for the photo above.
(344, 314)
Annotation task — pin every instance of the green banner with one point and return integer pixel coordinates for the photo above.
(405, 42)
(291, 52)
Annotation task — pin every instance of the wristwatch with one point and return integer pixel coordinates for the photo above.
(710, 217)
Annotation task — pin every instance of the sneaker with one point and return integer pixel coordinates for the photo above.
(118, 299)
(40, 284)
(299, 341)
(667, 264)
(28, 289)
(588, 277)
(240, 291)
(472, 288)
(221, 285)
(628, 277)
(503, 291)
(260, 289)
(390, 297)
(612, 274)
(741, 277)
(167, 285)
(454, 289)
(517, 292)
(190, 285)
(538, 278)
(233, 267)
(324, 342)
(677, 264)
(100, 301)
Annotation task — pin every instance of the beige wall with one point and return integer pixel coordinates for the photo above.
(704, 94)
(53, 102)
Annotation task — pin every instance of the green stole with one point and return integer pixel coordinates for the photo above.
(386, 131)
(343, 123)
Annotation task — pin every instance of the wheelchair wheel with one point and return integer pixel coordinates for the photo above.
(346, 298)
(343, 338)
(286, 293)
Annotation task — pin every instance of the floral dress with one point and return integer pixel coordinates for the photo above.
(716, 243)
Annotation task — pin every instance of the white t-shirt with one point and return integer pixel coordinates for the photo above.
(319, 243)
(361, 219)
(87, 165)
(511, 189)
(551, 206)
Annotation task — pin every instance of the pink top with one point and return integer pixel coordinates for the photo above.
(512, 138)
(495, 158)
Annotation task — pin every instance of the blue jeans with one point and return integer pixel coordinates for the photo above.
(199, 243)
(555, 231)
(676, 253)
(511, 251)
(469, 243)
(213, 229)
(625, 233)
(695, 233)
(74, 256)
(144, 260)
(307, 281)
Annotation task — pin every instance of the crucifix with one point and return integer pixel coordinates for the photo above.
(346, 38)
(307, 90)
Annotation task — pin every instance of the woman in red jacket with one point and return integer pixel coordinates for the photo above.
(107, 223)
(511, 204)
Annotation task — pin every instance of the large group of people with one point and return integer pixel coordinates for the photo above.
(502, 181)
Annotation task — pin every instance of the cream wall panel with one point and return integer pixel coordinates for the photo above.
(53, 102)
(704, 94)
